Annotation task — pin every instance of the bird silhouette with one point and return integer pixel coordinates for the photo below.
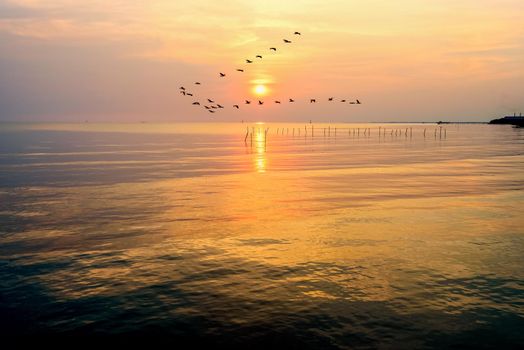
(222, 75)
(277, 102)
(258, 56)
(358, 102)
(220, 106)
(182, 88)
(197, 83)
(183, 92)
(248, 102)
(330, 99)
(352, 103)
(273, 48)
(236, 106)
(188, 94)
(206, 107)
(249, 61)
(210, 100)
(240, 70)
(214, 107)
(297, 33)
(287, 41)
(196, 103)
(291, 100)
(260, 102)
(210, 111)
(342, 100)
(312, 100)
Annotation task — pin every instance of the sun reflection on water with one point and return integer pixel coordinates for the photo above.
(260, 148)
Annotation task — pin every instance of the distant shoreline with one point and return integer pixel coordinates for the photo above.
(238, 121)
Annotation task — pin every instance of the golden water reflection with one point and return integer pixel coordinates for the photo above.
(260, 150)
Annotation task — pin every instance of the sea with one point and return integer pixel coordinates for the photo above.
(264, 235)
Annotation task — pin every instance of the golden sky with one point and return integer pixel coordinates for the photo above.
(120, 60)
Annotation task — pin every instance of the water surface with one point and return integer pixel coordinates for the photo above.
(328, 239)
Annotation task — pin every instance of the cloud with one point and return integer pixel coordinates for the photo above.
(12, 11)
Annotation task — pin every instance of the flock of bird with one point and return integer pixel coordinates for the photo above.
(211, 106)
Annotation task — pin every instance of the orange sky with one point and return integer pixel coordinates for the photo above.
(119, 60)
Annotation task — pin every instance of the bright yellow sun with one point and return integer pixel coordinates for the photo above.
(260, 90)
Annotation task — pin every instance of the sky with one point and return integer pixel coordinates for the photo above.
(124, 60)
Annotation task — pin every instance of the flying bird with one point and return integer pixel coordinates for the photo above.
(197, 83)
(219, 106)
(358, 102)
(330, 99)
(352, 103)
(277, 102)
(312, 100)
(210, 100)
(240, 70)
(182, 88)
(236, 106)
(287, 41)
(214, 107)
(188, 94)
(206, 107)
(291, 100)
(210, 111)
(196, 103)
(297, 33)
(249, 61)
(183, 92)
(222, 75)
(258, 56)
(273, 48)
(248, 102)
(260, 102)
(342, 100)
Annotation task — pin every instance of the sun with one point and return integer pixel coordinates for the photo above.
(260, 90)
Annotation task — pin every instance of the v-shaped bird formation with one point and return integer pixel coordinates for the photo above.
(211, 106)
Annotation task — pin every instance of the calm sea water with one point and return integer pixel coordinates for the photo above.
(337, 240)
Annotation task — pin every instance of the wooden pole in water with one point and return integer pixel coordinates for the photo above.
(247, 134)
(424, 132)
(329, 130)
